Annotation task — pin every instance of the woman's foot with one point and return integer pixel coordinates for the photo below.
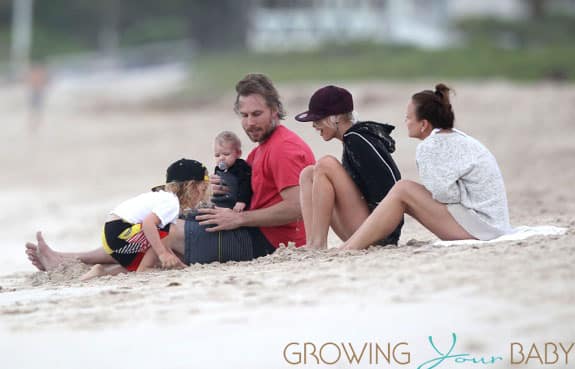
(316, 247)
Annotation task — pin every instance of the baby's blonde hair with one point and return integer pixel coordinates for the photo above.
(229, 137)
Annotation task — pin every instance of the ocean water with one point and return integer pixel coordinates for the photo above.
(67, 221)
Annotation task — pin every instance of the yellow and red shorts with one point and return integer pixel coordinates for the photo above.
(127, 243)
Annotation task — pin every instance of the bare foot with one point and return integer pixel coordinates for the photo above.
(310, 245)
(99, 270)
(314, 247)
(32, 252)
(48, 258)
(344, 246)
(94, 272)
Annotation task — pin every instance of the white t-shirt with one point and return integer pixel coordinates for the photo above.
(164, 204)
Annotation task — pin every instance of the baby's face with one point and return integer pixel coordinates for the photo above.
(226, 153)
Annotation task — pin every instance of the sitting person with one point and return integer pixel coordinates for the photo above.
(221, 234)
(342, 195)
(134, 230)
(127, 231)
(462, 195)
(274, 216)
(234, 172)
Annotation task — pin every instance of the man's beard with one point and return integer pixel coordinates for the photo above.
(265, 135)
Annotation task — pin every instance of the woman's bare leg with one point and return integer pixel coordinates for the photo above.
(45, 258)
(336, 201)
(305, 199)
(407, 197)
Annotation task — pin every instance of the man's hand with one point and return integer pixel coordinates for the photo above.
(170, 261)
(239, 207)
(223, 219)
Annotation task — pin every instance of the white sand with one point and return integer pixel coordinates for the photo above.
(82, 162)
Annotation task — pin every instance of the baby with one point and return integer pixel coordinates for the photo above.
(234, 172)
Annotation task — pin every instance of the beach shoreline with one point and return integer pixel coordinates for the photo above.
(65, 178)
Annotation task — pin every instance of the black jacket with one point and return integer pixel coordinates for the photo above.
(238, 178)
(367, 148)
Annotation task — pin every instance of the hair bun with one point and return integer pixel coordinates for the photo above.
(442, 91)
(434, 106)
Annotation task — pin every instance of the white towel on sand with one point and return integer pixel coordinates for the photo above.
(518, 233)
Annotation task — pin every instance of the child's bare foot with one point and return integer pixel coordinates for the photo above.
(32, 253)
(42, 256)
(97, 270)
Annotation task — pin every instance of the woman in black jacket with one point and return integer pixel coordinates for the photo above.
(342, 195)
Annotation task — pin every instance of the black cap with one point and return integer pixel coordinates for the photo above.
(183, 170)
(328, 100)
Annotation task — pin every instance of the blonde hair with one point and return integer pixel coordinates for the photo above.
(189, 193)
(229, 137)
(350, 117)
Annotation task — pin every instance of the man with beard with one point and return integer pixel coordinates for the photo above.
(220, 234)
(276, 164)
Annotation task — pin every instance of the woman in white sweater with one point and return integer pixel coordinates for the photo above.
(462, 195)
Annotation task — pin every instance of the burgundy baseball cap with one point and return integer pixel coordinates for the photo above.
(328, 100)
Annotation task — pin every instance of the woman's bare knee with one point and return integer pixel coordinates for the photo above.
(327, 164)
(403, 188)
(306, 175)
(405, 191)
(412, 195)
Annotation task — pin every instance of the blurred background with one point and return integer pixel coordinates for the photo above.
(209, 43)
(98, 97)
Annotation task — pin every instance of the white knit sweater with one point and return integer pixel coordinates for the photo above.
(458, 169)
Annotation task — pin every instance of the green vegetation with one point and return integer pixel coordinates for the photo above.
(524, 50)
(551, 30)
(364, 62)
(4, 40)
(49, 42)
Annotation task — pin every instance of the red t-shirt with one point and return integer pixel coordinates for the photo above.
(276, 165)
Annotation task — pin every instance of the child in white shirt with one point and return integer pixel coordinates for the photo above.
(134, 230)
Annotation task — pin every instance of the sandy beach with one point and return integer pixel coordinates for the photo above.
(88, 155)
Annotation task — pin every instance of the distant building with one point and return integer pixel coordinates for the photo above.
(304, 24)
(279, 25)
(506, 9)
